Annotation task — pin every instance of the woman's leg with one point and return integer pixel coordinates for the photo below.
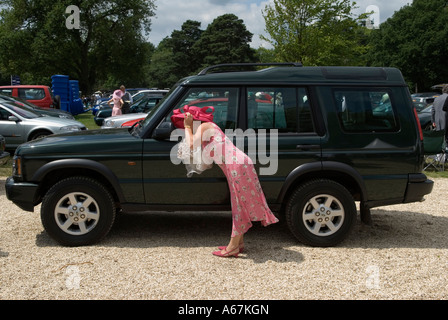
(234, 243)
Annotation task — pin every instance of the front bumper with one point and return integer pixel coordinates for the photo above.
(21, 194)
(4, 157)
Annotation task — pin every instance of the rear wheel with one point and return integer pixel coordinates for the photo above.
(78, 211)
(321, 213)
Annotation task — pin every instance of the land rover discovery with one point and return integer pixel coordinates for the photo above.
(325, 138)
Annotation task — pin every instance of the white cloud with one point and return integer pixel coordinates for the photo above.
(171, 14)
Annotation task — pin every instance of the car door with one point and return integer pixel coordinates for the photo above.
(371, 136)
(286, 136)
(11, 130)
(165, 177)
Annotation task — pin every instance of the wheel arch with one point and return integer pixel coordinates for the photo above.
(33, 133)
(52, 172)
(339, 172)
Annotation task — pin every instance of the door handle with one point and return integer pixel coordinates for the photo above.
(308, 147)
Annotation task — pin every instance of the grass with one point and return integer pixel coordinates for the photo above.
(86, 118)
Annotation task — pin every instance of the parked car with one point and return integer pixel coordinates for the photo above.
(419, 106)
(143, 105)
(143, 102)
(148, 93)
(425, 97)
(319, 149)
(438, 87)
(18, 124)
(4, 156)
(117, 121)
(43, 111)
(425, 118)
(131, 123)
(41, 96)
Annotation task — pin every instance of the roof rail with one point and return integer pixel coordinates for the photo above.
(229, 65)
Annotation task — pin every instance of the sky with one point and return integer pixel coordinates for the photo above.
(171, 14)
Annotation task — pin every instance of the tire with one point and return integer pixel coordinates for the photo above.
(85, 223)
(321, 213)
(40, 134)
(57, 102)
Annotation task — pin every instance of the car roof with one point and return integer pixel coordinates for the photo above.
(302, 75)
(25, 86)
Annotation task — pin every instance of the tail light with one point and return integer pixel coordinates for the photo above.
(418, 124)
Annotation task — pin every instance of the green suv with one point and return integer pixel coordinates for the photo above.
(321, 139)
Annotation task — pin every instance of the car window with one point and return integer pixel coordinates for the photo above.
(365, 110)
(285, 109)
(22, 111)
(4, 114)
(31, 93)
(6, 91)
(223, 100)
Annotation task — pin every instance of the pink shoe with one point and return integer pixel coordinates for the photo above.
(241, 247)
(227, 254)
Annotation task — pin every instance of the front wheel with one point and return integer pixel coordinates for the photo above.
(77, 211)
(321, 213)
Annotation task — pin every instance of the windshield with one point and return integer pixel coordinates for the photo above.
(154, 111)
(22, 111)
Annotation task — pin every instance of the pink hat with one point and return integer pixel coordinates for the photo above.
(117, 94)
(200, 114)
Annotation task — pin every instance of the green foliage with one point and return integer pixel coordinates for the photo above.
(414, 40)
(314, 32)
(35, 42)
(226, 40)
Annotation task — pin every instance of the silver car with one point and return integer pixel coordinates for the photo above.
(19, 124)
(4, 156)
(117, 121)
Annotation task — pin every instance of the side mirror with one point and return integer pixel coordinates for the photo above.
(163, 131)
(13, 118)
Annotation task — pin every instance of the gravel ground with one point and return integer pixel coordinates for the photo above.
(168, 256)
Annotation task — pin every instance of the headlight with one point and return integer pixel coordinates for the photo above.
(109, 123)
(66, 116)
(70, 128)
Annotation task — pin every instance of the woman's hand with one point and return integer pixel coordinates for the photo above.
(188, 120)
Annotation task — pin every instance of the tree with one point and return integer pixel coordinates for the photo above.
(108, 46)
(414, 40)
(190, 49)
(226, 40)
(182, 42)
(162, 70)
(314, 32)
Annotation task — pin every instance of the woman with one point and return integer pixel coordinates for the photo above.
(117, 102)
(247, 198)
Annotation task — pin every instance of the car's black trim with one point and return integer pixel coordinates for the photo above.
(21, 193)
(40, 174)
(321, 168)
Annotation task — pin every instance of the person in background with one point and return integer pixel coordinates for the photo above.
(127, 100)
(439, 112)
(117, 102)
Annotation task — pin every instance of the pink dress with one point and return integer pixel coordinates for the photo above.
(247, 198)
(116, 110)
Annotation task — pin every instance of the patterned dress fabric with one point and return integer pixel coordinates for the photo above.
(247, 197)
